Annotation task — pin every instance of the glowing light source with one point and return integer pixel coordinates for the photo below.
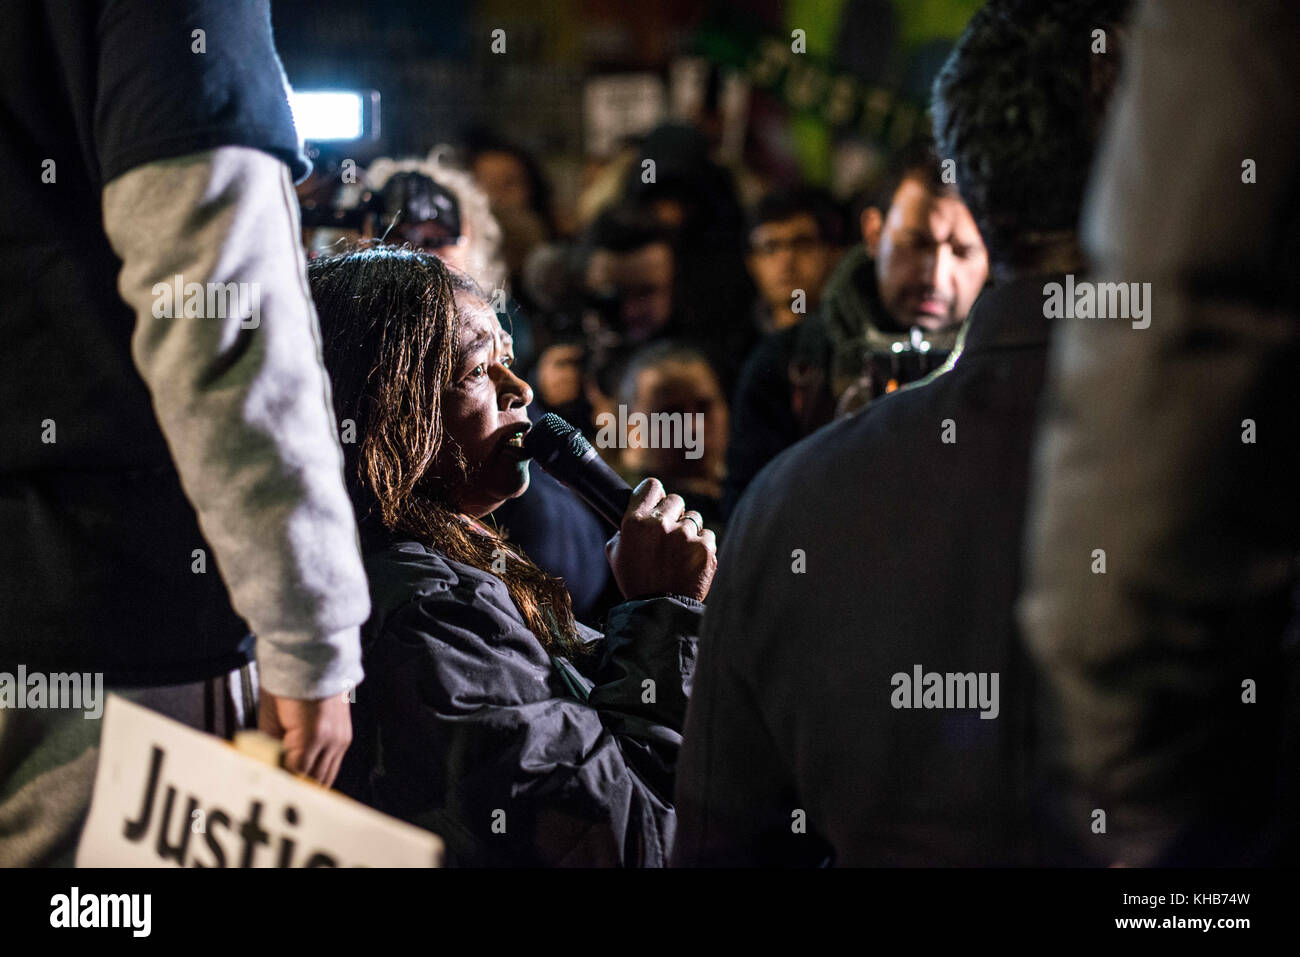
(326, 115)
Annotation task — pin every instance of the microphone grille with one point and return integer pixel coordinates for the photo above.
(551, 434)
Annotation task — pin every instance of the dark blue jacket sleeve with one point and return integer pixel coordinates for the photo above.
(180, 78)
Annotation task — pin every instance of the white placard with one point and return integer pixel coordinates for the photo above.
(169, 796)
(620, 105)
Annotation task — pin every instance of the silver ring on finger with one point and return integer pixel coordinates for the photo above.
(699, 526)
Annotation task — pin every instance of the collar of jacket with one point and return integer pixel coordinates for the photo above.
(1009, 316)
(854, 314)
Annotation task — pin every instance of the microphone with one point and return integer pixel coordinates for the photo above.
(565, 453)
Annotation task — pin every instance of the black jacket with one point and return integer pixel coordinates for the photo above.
(865, 550)
(466, 726)
(763, 421)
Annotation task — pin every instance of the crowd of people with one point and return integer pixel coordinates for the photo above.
(752, 328)
(862, 452)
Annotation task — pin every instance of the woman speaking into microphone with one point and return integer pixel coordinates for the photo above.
(488, 714)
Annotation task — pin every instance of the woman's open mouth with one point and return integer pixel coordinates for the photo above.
(514, 445)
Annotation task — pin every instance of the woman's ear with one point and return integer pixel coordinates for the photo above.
(871, 223)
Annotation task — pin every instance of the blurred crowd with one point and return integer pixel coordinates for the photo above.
(756, 322)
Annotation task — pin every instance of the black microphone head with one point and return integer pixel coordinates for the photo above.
(565, 454)
(551, 439)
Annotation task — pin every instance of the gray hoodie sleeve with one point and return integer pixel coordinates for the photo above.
(242, 398)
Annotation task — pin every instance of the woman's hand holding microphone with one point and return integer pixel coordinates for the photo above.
(661, 548)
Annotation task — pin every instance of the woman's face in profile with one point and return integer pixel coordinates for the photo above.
(483, 410)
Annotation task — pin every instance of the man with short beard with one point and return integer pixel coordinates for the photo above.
(920, 267)
(889, 313)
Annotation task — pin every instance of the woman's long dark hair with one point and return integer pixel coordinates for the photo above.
(391, 330)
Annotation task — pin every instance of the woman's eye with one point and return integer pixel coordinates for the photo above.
(479, 371)
(508, 361)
